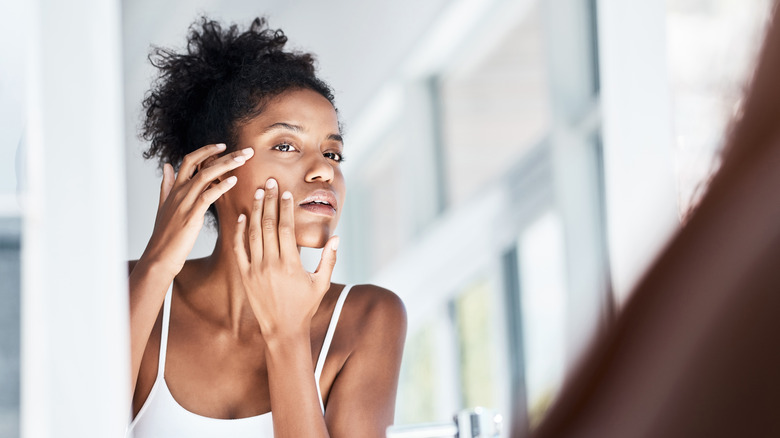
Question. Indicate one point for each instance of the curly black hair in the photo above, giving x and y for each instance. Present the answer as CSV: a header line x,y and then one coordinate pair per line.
x,y
224,78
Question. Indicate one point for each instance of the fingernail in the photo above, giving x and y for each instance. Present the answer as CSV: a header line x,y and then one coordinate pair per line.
x,y
220,146
335,245
286,195
241,218
271,183
231,180
239,159
259,194
248,152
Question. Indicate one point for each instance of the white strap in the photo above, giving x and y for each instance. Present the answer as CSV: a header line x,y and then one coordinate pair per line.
x,y
164,336
334,319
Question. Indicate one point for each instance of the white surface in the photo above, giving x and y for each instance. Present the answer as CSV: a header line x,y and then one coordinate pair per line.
x,y
572,70
712,49
638,156
11,104
543,295
74,296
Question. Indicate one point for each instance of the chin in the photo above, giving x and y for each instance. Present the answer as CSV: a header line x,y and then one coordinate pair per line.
x,y
312,240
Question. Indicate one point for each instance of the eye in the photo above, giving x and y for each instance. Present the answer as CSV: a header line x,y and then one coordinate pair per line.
x,y
335,156
284,147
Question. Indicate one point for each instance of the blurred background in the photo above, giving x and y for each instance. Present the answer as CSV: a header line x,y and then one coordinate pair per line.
x,y
512,165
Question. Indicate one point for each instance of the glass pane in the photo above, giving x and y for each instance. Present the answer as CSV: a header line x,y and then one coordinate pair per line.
x,y
10,287
480,342
416,401
380,202
712,47
543,301
428,387
494,109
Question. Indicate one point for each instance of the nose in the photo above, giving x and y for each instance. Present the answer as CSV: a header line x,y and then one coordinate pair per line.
x,y
320,169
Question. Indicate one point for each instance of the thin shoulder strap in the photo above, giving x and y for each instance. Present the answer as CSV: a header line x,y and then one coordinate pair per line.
x,y
164,336
334,319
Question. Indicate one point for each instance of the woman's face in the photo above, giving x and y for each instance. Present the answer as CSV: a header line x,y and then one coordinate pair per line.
x,y
296,140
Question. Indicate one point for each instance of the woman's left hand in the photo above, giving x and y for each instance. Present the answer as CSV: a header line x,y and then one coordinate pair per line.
x,y
283,295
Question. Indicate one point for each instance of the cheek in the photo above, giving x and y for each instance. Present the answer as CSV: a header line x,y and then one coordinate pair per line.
x,y
251,175
243,192
287,173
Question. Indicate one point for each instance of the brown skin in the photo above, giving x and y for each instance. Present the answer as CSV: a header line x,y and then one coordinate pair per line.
x,y
247,322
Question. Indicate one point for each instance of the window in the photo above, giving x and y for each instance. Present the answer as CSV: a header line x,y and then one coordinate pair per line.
x,y
381,198
543,301
501,139
712,47
494,107
481,345
428,389
10,287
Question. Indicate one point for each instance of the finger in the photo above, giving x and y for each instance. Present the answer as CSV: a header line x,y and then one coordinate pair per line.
x,y
255,228
270,220
216,171
211,195
327,263
190,162
166,185
239,242
211,171
288,246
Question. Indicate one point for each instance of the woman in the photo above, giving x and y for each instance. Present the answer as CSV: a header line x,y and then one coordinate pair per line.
x,y
245,342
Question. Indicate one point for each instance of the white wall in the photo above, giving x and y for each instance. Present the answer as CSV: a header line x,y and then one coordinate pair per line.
x,y
11,105
75,361
637,134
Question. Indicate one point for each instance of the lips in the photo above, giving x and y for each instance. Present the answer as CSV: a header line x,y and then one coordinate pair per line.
x,y
320,202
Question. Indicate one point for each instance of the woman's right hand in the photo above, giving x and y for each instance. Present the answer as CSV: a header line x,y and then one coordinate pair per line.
x,y
184,200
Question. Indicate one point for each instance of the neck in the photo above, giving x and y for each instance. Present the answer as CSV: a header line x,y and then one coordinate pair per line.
x,y
217,280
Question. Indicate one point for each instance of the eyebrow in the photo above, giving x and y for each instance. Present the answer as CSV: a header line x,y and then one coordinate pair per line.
x,y
298,129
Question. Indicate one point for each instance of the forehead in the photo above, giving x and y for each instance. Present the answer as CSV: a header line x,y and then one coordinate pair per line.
x,y
305,108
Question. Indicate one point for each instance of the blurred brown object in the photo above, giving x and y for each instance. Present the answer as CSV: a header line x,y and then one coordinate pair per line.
x,y
696,350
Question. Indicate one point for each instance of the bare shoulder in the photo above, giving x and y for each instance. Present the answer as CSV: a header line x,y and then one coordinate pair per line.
x,y
371,298
377,311
131,265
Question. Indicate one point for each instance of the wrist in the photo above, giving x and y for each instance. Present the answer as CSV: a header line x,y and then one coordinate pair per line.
x,y
284,350
152,269
157,264
285,339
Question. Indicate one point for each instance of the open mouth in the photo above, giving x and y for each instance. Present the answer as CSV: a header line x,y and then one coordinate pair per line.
x,y
321,202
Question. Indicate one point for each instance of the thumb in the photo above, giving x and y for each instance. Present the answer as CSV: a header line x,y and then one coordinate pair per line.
x,y
327,262
167,184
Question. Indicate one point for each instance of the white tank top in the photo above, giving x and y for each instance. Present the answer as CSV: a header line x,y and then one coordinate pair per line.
x,y
162,416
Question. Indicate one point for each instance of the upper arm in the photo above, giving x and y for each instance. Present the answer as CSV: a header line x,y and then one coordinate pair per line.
x,y
362,399
130,266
